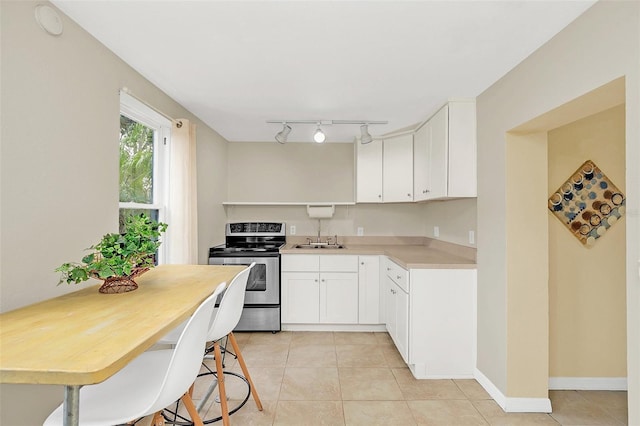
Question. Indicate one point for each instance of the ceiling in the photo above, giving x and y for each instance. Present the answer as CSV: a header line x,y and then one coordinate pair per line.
x,y
237,64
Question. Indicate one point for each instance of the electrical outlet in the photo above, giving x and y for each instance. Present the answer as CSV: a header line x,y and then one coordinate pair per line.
x,y
436,231
360,231
292,230
472,237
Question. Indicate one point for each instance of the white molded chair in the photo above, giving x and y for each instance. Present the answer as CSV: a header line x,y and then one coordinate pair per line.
x,y
151,382
224,321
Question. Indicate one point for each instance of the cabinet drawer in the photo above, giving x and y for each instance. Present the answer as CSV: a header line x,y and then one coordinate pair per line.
x,y
339,263
300,262
397,274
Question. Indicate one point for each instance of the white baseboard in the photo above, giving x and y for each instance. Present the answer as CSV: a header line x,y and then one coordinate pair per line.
x,y
334,327
513,405
588,383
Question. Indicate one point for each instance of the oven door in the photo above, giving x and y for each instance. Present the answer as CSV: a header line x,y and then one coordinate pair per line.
x,y
263,285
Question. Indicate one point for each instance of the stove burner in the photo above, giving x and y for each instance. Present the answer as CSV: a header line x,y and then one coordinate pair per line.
x,y
251,237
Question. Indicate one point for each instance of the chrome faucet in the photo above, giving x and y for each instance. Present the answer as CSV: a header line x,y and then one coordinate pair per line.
x,y
318,240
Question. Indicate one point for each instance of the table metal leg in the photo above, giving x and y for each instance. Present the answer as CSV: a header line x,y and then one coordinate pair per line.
x,y
71,405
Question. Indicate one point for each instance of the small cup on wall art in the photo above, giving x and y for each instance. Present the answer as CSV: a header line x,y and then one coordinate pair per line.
x,y
588,203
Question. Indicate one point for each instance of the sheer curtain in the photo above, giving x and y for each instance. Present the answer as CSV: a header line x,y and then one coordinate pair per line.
x,y
183,199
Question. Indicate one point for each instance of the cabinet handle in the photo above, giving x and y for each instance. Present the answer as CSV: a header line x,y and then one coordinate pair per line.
x,y
398,277
388,269
426,191
362,263
408,195
315,280
322,280
380,196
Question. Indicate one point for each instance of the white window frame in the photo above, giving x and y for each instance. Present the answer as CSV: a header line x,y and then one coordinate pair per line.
x,y
138,111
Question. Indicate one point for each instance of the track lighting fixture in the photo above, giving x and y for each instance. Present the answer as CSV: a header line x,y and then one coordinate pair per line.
x,y
283,134
318,135
365,137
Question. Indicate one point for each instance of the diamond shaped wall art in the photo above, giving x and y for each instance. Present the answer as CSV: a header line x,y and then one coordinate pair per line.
x,y
588,203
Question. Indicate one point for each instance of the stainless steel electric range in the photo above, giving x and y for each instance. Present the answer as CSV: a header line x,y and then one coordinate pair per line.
x,y
258,242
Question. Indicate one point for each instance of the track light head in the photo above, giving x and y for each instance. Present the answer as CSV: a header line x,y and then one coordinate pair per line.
x,y
365,137
319,135
283,134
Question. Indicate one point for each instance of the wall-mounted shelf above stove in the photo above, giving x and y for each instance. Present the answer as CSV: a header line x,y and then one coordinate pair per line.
x,y
287,203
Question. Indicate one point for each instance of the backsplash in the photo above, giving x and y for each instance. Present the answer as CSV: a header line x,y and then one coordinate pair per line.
x,y
454,219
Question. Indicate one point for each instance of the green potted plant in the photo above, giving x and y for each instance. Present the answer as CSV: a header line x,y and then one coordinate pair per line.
x,y
118,258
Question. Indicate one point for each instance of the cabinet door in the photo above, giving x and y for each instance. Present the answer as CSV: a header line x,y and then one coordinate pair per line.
x,y
339,297
390,306
443,318
397,169
462,149
438,154
421,167
369,172
369,290
402,322
300,297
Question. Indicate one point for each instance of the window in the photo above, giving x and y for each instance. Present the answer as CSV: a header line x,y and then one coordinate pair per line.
x,y
144,148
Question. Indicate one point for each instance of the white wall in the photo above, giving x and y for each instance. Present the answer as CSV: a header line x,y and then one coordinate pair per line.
x,y
600,46
59,166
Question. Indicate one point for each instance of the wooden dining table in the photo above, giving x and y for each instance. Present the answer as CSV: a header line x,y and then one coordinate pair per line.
x,y
85,337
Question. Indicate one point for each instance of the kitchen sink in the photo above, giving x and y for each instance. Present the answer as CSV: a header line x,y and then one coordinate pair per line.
x,y
319,246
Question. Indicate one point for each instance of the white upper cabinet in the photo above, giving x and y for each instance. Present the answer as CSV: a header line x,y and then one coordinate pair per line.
x,y
369,172
397,169
421,169
384,170
445,153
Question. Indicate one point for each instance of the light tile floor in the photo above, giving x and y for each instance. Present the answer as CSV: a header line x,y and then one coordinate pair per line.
x,y
325,378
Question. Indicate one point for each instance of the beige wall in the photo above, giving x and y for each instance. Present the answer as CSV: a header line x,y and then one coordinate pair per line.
x,y
454,218
302,172
59,166
585,55
292,172
587,286
376,219
527,270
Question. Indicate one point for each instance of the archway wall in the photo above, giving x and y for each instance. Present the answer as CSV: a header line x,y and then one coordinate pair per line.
x,y
587,285
600,46
527,266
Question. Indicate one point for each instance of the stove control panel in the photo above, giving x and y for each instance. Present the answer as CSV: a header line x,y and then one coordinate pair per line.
x,y
277,228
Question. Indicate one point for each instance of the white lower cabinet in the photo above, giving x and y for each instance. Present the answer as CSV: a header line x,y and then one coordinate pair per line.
x,y
339,297
369,290
300,297
319,289
397,307
431,317
430,314
442,323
